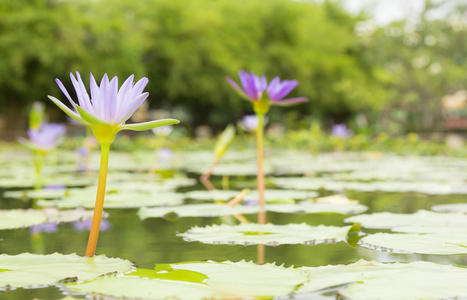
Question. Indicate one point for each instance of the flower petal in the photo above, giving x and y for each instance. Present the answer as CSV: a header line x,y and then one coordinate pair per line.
x,y
248,83
95,94
122,95
290,101
64,91
90,118
149,125
236,86
130,110
79,92
111,96
277,91
68,111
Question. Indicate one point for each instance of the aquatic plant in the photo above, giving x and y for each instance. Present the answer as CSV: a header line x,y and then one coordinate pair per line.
x,y
341,130
41,140
250,123
36,115
252,89
221,146
106,112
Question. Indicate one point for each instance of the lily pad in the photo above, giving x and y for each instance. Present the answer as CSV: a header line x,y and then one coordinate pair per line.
x,y
37,270
143,288
36,194
436,243
195,210
452,208
246,279
427,187
116,200
397,281
268,234
18,218
421,221
226,280
310,208
287,196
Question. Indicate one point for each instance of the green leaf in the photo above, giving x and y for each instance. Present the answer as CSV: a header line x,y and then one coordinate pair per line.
x,y
149,125
90,118
276,234
435,243
421,221
246,279
170,274
144,288
115,199
34,269
224,140
272,196
397,281
196,210
17,218
454,207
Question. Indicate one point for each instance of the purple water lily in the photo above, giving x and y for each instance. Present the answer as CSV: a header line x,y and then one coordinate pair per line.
x,y
86,225
250,122
253,85
277,90
46,137
341,130
107,103
106,112
46,227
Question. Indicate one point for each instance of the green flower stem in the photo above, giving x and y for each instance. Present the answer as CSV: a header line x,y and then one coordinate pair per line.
x,y
99,207
259,158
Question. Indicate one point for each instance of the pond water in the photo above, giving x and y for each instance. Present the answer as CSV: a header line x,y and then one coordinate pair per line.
x,y
154,240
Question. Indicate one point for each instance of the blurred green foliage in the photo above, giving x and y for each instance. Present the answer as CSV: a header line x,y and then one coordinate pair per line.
x,y
393,76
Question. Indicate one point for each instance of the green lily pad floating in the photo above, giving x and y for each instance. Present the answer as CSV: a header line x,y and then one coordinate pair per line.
x,y
281,196
316,207
397,281
246,279
36,194
19,218
268,234
144,288
313,183
433,243
27,269
451,208
217,210
232,169
422,221
116,200
195,210
226,280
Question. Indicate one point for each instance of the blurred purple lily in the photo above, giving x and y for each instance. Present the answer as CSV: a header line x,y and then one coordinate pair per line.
x,y
253,85
86,225
341,130
250,122
277,90
45,138
46,227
